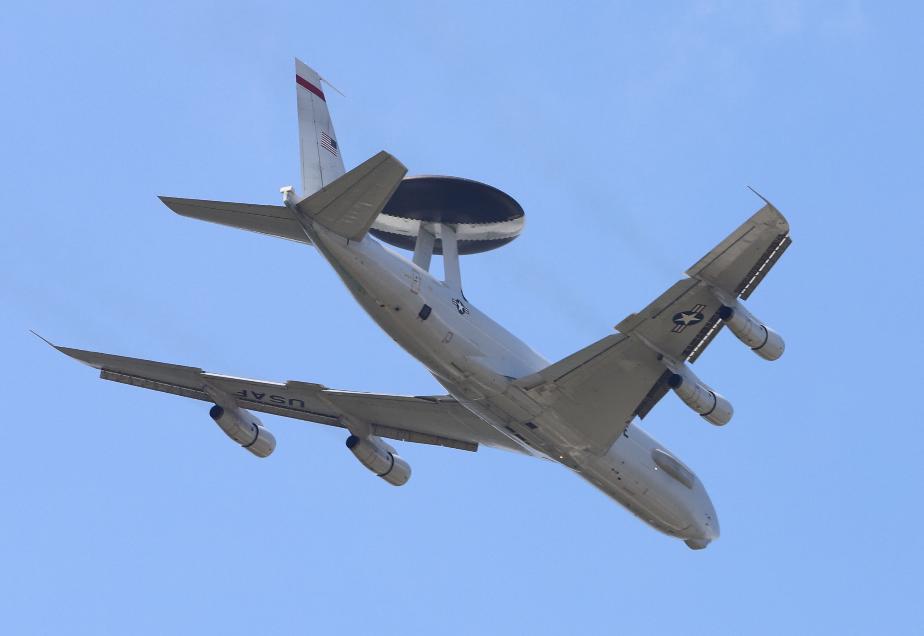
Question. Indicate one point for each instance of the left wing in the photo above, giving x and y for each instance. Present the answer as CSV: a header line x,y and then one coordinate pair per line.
x,y
438,420
596,392
685,318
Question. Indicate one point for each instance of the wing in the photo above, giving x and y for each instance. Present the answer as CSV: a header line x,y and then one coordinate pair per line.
x,y
438,420
682,321
598,391
592,394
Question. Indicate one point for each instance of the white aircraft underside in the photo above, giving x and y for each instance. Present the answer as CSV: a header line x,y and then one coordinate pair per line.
x,y
578,412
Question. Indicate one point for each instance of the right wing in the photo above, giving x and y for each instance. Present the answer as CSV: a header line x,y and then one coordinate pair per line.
x,y
596,392
438,420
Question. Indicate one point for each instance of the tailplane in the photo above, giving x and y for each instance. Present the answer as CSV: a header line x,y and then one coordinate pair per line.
x,y
349,205
318,147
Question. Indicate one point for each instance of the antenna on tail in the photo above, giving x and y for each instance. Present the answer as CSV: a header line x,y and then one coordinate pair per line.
x,y
326,81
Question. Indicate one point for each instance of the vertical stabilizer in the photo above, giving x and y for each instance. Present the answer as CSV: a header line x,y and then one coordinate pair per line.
x,y
318,147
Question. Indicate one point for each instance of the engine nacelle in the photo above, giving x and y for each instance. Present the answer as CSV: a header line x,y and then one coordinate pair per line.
x,y
377,457
245,428
762,340
710,405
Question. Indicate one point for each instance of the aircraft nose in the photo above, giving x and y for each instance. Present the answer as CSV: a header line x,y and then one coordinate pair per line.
x,y
705,525
711,525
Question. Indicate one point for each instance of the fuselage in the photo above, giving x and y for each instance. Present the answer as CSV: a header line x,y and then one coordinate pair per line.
x,y
477,361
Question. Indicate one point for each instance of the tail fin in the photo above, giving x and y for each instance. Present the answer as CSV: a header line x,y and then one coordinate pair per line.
x,y
320,153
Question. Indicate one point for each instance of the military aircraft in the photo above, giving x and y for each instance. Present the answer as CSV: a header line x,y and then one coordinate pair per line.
x,y
579,411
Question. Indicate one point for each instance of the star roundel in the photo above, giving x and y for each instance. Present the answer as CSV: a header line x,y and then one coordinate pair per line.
x,y
688,318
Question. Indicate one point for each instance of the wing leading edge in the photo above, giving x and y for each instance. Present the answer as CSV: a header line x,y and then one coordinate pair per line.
x,y
437,420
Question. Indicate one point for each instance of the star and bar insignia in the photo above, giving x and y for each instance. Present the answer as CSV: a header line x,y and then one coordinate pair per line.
x,y
688,318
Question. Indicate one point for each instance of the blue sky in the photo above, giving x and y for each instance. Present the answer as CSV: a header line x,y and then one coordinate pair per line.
x,y
629,135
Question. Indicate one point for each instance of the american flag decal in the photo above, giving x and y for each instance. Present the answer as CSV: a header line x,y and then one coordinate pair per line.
x,y
328,143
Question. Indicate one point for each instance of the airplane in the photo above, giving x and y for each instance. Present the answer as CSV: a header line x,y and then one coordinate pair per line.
x,y
580,411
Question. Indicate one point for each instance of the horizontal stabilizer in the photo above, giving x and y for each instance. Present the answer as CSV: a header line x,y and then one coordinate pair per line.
x,y
275,220
349,205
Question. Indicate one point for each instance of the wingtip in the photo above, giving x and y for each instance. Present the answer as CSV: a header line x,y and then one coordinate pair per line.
x,y
776,216
170,202
70,353
762,197
43,338
64,350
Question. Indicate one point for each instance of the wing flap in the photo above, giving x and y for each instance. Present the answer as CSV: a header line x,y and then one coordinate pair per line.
x,y
771,256
672,323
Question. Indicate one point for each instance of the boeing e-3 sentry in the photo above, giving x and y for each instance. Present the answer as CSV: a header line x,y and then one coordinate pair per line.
x,y
580,411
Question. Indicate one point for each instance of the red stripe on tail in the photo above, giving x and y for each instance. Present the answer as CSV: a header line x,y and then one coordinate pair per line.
x,y
301,81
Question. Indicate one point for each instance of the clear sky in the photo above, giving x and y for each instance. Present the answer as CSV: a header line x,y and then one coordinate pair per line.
x,y
629,136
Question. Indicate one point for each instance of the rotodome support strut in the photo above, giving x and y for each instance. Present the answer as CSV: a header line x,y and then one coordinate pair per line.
x,y
448,216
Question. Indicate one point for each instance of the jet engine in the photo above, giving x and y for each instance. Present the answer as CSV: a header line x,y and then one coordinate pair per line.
x,y
710,405
761,339
380,459
245,428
